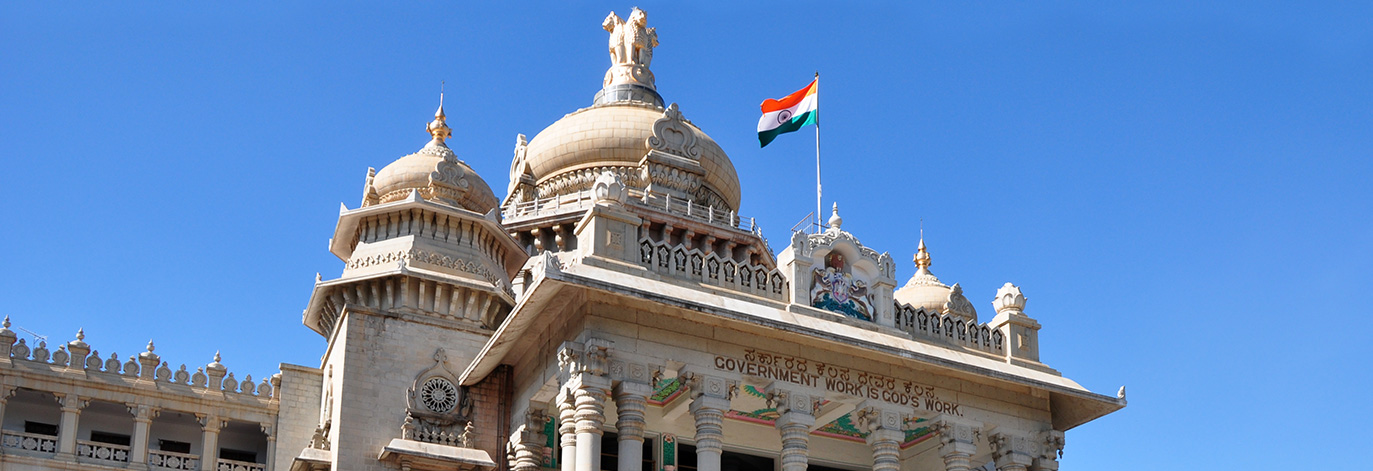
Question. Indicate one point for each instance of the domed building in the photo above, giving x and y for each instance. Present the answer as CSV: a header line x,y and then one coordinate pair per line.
x,y
613,312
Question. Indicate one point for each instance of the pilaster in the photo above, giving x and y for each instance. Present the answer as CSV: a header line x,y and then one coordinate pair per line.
x,y
567,429
527,442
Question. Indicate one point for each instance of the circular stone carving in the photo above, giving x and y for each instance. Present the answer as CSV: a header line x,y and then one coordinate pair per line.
x,y
439,395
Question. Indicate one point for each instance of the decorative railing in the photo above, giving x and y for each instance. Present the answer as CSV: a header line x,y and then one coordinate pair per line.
x,y
949,329
159,459
231,465
691,264
102,451
28,441
145,366
663,202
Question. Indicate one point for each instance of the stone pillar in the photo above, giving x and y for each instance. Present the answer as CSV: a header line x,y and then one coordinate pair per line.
x,y
796,415
567,429
631,399
142,422
956,444
527,443
590,399
1011,451
710,400
1050,450
6,392
884,424
270,432
209,441
66,430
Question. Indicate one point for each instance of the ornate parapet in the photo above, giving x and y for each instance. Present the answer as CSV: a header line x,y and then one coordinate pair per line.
x,y
949,329
679,262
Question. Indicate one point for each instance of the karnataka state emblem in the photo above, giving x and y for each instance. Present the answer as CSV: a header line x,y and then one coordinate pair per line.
x,y
835,290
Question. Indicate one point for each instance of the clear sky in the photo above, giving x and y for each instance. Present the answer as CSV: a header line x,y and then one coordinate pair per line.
x,y
1183,192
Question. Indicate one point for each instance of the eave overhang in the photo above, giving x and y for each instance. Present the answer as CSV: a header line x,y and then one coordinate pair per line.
x,y
1071,405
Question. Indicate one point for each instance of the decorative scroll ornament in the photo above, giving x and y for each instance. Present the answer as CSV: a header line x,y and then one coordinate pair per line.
x,y
437,409
672,134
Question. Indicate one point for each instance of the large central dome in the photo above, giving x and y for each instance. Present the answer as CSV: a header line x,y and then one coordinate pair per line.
x,y
571,152
627,131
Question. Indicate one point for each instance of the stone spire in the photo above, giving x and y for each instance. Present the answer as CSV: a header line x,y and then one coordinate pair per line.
x,y
835,221
922,257
439,126
631,51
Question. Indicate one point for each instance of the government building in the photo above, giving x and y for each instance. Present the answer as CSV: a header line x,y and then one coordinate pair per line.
x,y
612,312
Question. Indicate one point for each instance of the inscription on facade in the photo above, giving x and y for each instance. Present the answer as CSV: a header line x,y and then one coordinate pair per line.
x,y
837,379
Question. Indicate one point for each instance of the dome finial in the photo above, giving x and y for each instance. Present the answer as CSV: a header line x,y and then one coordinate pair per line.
x,y
922,256
439,126
835,220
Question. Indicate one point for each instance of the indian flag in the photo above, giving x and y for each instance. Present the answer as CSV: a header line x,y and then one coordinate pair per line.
x,y
790,113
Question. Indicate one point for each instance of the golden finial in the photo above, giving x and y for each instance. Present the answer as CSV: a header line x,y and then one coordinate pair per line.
x,y
922,256
439,126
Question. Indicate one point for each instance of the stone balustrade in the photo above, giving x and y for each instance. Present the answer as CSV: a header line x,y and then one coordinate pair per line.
x,y
158,459
231,465
679,262
659,201
949,329
14,440
146,366
102,451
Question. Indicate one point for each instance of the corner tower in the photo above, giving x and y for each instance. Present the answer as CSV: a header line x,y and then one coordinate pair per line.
x,y
426,280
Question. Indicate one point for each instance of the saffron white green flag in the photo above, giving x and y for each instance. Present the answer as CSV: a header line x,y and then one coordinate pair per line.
x,y
790,113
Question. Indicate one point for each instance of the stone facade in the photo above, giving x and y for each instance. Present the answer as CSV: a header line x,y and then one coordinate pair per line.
x,y
614,312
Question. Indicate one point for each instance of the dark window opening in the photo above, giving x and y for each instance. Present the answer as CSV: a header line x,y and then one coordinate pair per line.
x,y
110,438
729,461
39,428
610,453
238,455
174,446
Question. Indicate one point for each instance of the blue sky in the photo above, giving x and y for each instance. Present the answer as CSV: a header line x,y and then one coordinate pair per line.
x,y
1182,191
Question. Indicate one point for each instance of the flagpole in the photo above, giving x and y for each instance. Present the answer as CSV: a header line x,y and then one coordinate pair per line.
x,y
818,205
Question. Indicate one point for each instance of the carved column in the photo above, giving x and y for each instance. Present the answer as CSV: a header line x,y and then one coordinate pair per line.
x,y
590,400
631,399
883,423
956,444
270,432
1011,451
6,392
1050,450
66,430
142,422
567,428
209,441
710,400
796,415
528,443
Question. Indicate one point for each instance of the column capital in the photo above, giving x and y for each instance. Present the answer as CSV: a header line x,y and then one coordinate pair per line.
x,y
143,412
6,392
792,400
210,423
1013,451
702,385
955,437
72,402
1050,450
632,388
874,416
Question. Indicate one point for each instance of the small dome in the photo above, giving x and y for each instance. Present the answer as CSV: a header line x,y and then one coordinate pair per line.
x,y
616,135
924,290
436,173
